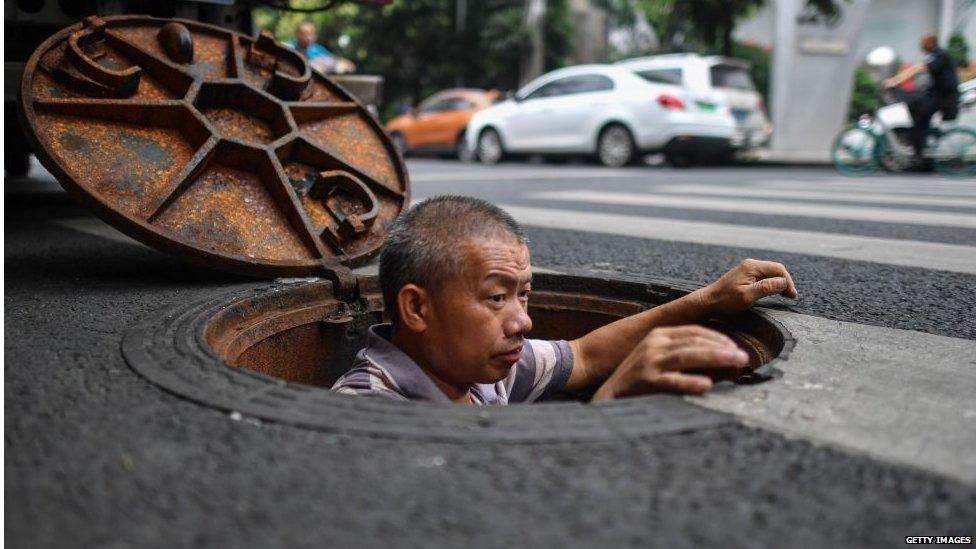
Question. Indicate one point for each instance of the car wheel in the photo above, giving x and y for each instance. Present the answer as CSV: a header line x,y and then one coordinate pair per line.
x,y
462,151
399,143
615,146
490,149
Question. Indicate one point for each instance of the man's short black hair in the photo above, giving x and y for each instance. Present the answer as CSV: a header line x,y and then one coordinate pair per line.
x,y
422,245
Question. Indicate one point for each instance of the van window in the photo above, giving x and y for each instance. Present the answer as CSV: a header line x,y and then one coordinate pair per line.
x,y
725,76
663,76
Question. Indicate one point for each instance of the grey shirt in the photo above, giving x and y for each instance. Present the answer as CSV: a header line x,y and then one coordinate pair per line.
x,y
381,369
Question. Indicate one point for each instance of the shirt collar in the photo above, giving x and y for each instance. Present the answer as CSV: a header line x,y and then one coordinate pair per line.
x,y
412,380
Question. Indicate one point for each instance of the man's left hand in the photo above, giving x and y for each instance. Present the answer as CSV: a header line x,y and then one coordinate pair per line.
x,y
746,283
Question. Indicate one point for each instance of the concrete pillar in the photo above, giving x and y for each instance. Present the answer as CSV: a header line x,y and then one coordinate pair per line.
x,y
535,15
589,32
946,21
814,58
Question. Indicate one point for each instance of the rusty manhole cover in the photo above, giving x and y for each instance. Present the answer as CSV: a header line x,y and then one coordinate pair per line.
x,y
222,148
271,352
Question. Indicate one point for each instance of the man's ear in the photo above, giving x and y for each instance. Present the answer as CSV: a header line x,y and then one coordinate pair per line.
x,y
413,307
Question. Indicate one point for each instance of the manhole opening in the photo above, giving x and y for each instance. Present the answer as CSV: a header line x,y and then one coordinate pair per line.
x,y
301,334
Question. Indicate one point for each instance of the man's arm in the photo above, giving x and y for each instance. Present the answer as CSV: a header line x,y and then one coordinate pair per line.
x,y
905,74
598,354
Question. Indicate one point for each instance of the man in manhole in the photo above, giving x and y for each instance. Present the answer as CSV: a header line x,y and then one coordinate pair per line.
x,y
456,278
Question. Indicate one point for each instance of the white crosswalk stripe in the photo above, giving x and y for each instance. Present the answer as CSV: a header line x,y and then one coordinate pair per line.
x,y
939,203
821,195
764,207
919,188
909,253
487,176
934,203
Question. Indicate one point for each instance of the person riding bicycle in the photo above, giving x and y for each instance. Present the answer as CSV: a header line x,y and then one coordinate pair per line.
x,y
942,95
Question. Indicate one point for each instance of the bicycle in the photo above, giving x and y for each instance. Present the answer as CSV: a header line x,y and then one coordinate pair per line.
x,y
872,142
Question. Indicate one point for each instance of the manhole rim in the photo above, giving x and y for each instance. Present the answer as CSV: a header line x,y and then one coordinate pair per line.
x,y
170,350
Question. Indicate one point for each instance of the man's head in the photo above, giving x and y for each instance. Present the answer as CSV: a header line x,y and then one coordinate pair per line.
x,y
305,34
928,43
455,275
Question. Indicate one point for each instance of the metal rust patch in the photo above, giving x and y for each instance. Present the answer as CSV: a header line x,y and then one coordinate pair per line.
x,y
225,149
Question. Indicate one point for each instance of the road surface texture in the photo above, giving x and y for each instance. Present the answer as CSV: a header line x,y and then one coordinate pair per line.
x,y
867,438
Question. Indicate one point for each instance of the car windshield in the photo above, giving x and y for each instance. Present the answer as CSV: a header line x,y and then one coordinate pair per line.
x,y
726,76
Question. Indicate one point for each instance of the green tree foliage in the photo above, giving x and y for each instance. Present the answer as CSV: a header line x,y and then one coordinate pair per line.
x,y
677,33
712,21
687,25
865,98
419,48
959,49
759,65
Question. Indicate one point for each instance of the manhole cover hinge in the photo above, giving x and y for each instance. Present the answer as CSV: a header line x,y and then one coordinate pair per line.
x,y
345,284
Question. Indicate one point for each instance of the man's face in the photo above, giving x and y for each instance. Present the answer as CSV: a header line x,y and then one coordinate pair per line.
x,y
475,333
305,35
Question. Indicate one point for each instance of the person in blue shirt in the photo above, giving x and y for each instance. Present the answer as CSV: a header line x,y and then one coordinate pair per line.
x,y
305,43
318,56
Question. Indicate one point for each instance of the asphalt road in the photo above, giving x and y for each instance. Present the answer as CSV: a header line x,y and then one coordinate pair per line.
x,y
96,456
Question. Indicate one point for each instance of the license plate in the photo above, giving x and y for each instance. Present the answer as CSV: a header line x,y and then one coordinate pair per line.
x,y
740,114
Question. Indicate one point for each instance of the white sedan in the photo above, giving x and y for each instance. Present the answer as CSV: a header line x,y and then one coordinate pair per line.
x,y
603,110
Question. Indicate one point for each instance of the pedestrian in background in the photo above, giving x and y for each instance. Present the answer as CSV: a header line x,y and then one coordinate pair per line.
x,y
942,95
318,56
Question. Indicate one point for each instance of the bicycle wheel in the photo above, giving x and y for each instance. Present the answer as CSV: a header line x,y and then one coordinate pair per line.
x,y
857,151
955,152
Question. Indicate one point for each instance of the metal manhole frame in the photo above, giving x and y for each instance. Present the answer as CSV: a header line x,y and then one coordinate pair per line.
x,y
170,350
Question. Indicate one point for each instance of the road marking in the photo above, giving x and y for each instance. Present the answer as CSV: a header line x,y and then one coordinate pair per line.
x,y
907,253
876,187
766,207
754,192
525,176
916,180
887,179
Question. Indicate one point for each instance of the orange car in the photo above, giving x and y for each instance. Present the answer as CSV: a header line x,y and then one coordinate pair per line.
x,y
437,125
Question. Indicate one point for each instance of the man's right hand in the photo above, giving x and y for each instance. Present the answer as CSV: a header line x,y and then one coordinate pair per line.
x,y
660,362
